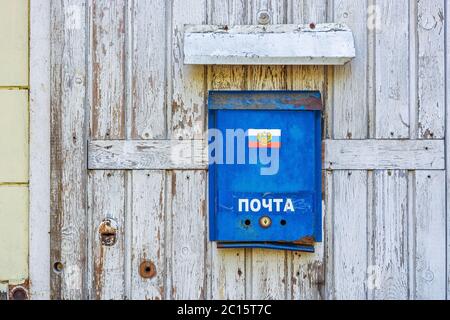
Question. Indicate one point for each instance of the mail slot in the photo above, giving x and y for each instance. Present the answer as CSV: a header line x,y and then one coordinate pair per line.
x,y
265,169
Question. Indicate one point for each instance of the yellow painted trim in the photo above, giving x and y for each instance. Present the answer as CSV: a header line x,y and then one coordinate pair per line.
x,y
25,184
14,88
14,184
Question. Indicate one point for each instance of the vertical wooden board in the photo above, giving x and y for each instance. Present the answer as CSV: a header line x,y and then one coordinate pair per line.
x,y
108,69
68,145
372,25
188,81
149,69
307,11
39,242
328,227
429,235
388,236
447,143
187,223
108,116
276,8
350,234
307,270
388,232
226,78
307,274
188,235
350,81
107,201
392,70
269,275
307,278
227,274
350,121
148,234
431,69
228,12
268,77
268,268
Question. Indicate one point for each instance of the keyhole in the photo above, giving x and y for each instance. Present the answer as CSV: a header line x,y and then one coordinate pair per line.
x,y
265,222
108,232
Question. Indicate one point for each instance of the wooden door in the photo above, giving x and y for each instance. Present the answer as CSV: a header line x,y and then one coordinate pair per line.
x,y
119,86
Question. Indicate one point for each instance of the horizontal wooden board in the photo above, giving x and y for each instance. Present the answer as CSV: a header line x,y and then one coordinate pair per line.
x,y
321,44
338,154
384,154
146,154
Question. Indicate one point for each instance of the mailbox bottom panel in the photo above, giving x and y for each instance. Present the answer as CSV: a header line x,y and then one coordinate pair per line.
x,y
266,245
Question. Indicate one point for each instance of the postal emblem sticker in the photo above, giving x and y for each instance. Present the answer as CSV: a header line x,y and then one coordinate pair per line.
x,y
264,138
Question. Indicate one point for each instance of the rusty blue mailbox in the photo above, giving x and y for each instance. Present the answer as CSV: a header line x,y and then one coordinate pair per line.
x,y
265,169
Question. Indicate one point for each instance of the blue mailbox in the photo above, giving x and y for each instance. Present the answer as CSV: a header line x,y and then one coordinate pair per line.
x,y
265,169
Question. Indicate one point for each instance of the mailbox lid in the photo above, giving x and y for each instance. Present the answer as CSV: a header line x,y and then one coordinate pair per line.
x,y
240,196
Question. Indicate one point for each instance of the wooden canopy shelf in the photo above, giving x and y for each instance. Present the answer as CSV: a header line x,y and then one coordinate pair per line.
x,y
288,44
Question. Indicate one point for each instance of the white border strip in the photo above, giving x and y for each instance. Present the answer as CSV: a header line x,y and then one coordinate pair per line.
x,y
39,223
447,136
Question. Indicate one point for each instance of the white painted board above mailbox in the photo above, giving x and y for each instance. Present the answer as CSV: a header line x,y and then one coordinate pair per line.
x,y
287,44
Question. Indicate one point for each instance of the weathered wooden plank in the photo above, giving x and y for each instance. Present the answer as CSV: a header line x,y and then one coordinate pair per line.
x,y
108,69
322,44
188,235
229,12
373,23
392,70
447,144
307,275
349,121
413,71
188,82
431,69
350,236
149,69
68,131
384,154
268,268
39,263
187,265
227,267
148,239
350,81
108,116
228,273
307,11
328,243
107,201
388,236
147,154
269,274
429,236
307,270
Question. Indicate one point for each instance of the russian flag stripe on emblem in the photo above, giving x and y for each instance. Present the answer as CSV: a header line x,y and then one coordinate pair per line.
x,y
264,138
